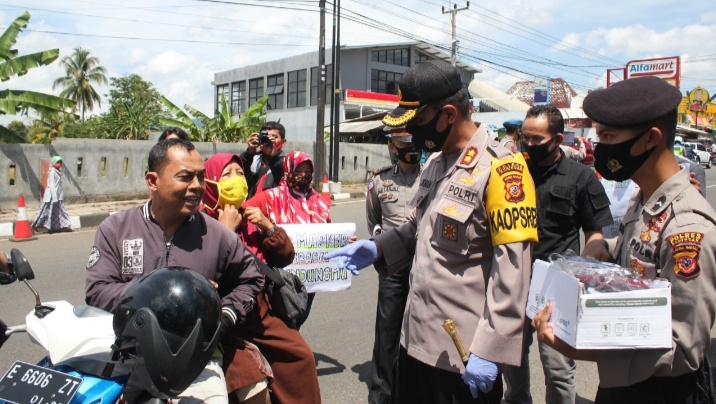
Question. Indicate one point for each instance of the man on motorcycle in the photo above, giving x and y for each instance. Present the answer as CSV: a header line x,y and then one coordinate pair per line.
x,y
169,231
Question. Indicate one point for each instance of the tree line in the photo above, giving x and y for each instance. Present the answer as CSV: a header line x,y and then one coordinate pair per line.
x,y
136,108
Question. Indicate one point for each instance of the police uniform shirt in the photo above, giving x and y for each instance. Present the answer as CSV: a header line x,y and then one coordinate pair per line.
x,y
569,197
673,235
456,271
389,195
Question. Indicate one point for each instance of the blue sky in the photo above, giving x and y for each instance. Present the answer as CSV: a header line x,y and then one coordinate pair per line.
x,y
179,44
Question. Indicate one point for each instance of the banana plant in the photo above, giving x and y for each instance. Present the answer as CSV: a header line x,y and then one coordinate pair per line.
x,y
18,102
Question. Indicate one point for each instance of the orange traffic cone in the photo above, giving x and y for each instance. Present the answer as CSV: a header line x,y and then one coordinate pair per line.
x,y
22,226
325,192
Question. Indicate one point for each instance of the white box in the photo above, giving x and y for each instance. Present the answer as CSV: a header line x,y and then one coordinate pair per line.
x,y
620,320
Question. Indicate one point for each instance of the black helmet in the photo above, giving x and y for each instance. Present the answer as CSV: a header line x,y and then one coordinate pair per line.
x,y
172,317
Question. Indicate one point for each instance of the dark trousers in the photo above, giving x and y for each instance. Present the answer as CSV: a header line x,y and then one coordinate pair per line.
x,y
418,383
691,388
392,296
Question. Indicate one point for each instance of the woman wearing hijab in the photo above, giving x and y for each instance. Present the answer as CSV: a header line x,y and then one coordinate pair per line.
x,y
52,214
294,201
292,365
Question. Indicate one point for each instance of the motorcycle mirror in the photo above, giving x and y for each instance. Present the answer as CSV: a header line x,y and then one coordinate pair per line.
x,y
21,266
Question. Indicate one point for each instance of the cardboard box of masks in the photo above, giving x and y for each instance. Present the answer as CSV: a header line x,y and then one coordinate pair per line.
x,y
618,320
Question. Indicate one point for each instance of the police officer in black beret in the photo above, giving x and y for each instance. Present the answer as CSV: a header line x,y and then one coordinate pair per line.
x,y
669,231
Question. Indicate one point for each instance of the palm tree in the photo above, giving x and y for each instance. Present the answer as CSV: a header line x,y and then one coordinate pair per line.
x,y
17,102
82,69
46,128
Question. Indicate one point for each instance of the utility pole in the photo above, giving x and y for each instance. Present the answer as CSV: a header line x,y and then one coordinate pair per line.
x,y
336,95
453,15
319,158
332,133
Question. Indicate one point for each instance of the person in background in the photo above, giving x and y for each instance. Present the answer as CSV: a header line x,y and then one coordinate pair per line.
x,y
294,201
570,199
53,215
6,277
264,157
173,132
513,129
669,231
575,154
387,205
290,361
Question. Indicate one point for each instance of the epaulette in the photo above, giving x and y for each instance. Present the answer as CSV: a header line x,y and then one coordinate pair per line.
x,y
380,170
497,150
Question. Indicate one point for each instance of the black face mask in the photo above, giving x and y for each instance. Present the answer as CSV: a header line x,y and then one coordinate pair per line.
x,y
408,155
427,137
613,161
538,152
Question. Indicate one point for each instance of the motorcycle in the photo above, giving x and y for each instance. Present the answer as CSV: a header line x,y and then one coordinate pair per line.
x,y
81,360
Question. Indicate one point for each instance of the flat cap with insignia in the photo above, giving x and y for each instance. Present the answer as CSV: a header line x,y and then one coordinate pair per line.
x,y
632,102
422,84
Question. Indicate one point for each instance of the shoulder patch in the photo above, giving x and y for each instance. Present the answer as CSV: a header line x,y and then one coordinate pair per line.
x,y
93,257
686,248
371,185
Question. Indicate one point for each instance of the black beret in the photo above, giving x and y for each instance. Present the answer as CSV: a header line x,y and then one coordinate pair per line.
x,y
632,102
422,84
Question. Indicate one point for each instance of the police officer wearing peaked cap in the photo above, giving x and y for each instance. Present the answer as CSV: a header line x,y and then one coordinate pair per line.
x,y
513,130
669,231
387,205
466,264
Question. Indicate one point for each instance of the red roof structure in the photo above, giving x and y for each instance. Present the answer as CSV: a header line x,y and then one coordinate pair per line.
x,y
560,92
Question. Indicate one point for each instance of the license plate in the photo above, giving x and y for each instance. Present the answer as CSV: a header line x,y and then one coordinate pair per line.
x,y
25,383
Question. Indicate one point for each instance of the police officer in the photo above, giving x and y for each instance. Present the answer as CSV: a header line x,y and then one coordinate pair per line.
x,y
469,243
669,231
513,129
569,199
387,206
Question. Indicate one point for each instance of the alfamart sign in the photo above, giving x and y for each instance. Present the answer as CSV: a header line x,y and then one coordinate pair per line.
x,y
667,68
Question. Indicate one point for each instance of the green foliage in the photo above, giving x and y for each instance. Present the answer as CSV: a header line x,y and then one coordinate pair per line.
x,y
82,69
18,133
45,129
13,102
135,107
222,127
96,127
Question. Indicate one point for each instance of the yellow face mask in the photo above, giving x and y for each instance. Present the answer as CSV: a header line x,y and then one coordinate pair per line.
x,y
232,191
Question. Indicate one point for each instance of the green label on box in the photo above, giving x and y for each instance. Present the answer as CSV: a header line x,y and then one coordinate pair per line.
x,y
633,302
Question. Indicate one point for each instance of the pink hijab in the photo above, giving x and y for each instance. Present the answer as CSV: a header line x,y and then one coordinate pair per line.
x,y
284,205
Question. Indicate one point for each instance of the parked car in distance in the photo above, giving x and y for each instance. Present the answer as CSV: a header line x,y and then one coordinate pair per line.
x,y
703,156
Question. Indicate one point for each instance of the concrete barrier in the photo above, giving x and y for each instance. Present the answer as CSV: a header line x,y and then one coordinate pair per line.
x,y
106,170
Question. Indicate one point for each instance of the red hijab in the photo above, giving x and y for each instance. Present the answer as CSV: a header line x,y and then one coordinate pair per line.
x,y
284,205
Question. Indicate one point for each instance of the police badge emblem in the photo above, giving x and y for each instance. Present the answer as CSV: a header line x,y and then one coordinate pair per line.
x,y
514,191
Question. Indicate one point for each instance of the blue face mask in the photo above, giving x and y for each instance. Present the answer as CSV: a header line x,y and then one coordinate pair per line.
x,y
427,137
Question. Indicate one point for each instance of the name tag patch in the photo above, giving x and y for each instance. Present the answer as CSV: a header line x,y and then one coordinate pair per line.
x,y
133,256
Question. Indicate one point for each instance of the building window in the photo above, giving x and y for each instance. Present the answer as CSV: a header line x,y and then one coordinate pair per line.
x,y
221,89
384,82
297,88
238,97
274,90
400,57
315,77
256,90
421,57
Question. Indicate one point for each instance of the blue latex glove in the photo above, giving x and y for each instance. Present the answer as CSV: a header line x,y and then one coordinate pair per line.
x,y
479,374
355,256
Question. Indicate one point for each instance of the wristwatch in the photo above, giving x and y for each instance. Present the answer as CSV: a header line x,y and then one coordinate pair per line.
x,y
269,232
